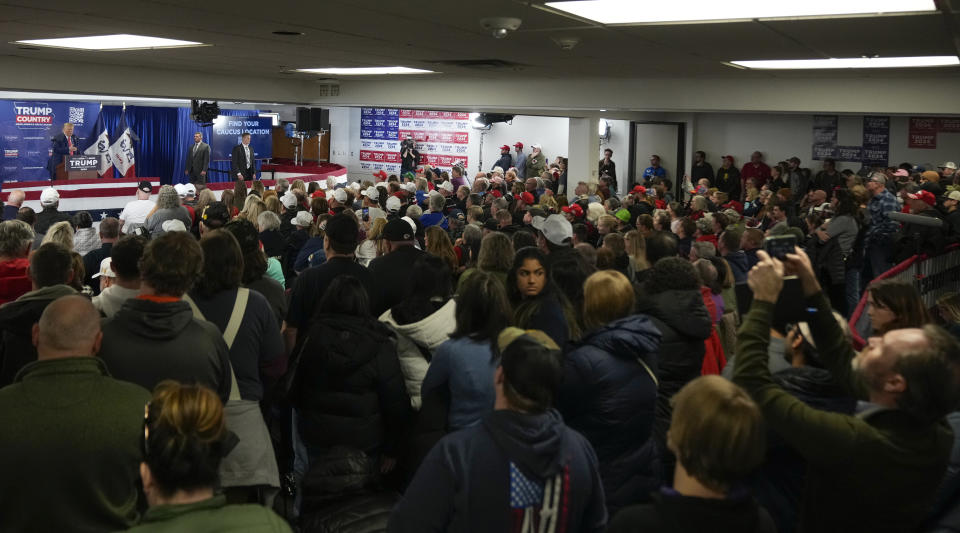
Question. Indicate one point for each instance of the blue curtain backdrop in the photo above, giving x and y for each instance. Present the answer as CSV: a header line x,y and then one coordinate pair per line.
x,y
165,135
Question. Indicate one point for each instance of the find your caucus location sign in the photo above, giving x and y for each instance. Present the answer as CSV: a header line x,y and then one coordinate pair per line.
x,y
228,130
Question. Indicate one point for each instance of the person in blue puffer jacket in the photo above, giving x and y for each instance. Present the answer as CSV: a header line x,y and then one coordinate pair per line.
x,y
609,389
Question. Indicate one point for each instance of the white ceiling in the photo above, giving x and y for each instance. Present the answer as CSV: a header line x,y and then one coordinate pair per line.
x,y
425,33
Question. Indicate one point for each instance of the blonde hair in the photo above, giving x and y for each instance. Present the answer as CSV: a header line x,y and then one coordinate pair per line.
x,y
439,245
253,209
698,203
375,234
716,432
608,220
722,197
549,203
272,204
300,186
607,296
636,247
496,253
949,304
752,194
60,233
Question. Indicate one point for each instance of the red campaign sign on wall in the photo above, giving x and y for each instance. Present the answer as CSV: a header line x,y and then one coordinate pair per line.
x,y
438,160
442,115
922,133
449,137
379,157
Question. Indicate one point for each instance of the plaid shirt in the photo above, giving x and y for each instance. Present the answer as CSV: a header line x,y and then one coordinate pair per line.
x,y
880,224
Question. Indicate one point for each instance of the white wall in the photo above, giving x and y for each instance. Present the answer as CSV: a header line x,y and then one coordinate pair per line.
x,y
551,133
619,142
781,136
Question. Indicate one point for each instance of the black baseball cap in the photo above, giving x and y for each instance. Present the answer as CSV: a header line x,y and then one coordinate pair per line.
x,y
245,232
491,224
398,230
145,186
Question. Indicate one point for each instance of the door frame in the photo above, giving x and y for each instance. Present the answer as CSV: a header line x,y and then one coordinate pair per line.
x,y
681,152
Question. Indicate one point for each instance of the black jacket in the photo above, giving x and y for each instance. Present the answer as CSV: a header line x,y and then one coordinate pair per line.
x,y
147,342
684,324
465,482
47,217
348,389
505,162
920,239
16,326
610,397
673,513
238,163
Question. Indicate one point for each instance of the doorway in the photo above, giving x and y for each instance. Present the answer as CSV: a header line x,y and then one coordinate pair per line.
x,y
665,139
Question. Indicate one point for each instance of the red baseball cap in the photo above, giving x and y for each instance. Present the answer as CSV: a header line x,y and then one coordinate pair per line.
x,y
527,198
735,205
505,147
380,174
730,157
573,209
639,189
496,193
926,197
318,194
518,144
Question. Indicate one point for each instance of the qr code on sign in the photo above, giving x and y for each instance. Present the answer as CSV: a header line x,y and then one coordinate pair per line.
x,y
76,115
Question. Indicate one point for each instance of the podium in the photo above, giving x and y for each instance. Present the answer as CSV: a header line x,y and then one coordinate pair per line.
x,y
78,167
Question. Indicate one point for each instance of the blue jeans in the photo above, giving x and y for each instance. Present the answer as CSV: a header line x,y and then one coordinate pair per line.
x,y
877,254
852,282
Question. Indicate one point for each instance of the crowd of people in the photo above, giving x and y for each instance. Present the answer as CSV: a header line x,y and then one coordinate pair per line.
x,y
427,352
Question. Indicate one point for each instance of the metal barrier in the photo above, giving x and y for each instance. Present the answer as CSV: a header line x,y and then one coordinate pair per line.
x,y
933,276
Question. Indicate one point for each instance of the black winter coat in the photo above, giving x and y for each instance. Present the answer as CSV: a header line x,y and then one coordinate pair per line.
x,y
349,390
684,324
610,397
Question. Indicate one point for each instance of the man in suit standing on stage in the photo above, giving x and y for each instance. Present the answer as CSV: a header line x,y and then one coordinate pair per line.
x,y
63,144
242,164
198,159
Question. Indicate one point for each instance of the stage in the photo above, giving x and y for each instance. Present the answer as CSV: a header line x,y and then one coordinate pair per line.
x,y
106,197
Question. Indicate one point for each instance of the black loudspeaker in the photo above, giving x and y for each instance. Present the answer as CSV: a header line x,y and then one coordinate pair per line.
x,y
303,119
319,119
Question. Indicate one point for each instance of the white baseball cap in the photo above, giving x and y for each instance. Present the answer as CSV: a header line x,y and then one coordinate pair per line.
x,y
340,195
447,186
49,196
105,269
393,204
172,225
189,189
303,219
413,225
371,193
557,229
411,187
181,190
949,164
289,200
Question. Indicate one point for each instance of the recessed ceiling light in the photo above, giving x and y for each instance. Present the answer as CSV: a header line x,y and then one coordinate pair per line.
x,y
288,33
361,71
602,110
120,41
852,62
677,11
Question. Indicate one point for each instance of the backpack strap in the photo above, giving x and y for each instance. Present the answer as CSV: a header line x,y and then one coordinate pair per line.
x,y
230,333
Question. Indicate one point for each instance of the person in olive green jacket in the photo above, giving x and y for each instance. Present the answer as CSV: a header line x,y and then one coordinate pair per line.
x,y
71,433
536,163
879,470
185,438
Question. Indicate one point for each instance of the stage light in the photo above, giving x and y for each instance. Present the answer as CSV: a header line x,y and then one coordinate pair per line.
x,y
852,62
692,11
120,41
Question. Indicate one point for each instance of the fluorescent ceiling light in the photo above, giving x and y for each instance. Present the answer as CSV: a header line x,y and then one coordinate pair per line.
x,y
852,62
120,41
361,71
675,11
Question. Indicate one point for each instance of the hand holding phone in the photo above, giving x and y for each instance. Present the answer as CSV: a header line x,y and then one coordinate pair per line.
x,y
779,246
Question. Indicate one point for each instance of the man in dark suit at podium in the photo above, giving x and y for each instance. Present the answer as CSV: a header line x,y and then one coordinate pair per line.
x,y
63,144
198,159
242,164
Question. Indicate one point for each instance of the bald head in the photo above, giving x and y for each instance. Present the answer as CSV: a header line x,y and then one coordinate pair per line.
x,y
16,198
68,327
